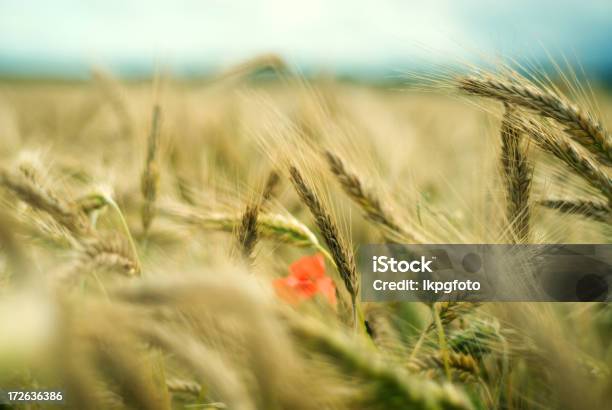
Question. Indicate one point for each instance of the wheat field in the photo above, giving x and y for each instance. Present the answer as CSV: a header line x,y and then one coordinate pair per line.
x,y
150,230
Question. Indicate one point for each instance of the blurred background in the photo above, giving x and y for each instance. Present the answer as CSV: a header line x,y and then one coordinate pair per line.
x,y
362,39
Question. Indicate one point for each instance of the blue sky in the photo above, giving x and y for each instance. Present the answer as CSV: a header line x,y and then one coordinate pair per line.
x,y
70,35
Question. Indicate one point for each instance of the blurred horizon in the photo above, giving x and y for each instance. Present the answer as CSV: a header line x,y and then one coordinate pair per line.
x,y
368,39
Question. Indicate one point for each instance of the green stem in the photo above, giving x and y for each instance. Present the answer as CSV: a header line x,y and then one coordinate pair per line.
x,y
326,254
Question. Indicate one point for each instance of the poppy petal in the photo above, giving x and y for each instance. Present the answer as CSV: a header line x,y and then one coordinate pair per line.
x,y
328,289
309,266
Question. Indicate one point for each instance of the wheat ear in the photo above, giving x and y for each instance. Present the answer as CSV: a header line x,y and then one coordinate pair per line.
x,y
579,124
565,150
269,191
368,201
340,252
517,177
594,210
465,366
183,386
247,231
109,253
64,212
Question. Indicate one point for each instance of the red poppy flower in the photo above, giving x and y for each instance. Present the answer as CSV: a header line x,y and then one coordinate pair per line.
x,y
306,279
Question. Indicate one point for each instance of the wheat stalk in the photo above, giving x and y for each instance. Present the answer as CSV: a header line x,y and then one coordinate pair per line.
x,y
517,177
447,312
580,125
92,203
340,252
149,182
271,226
393,386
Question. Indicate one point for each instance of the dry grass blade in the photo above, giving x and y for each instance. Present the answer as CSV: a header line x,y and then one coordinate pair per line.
x,y
340,252
367,200
597,211
517,177
580,125
150,175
